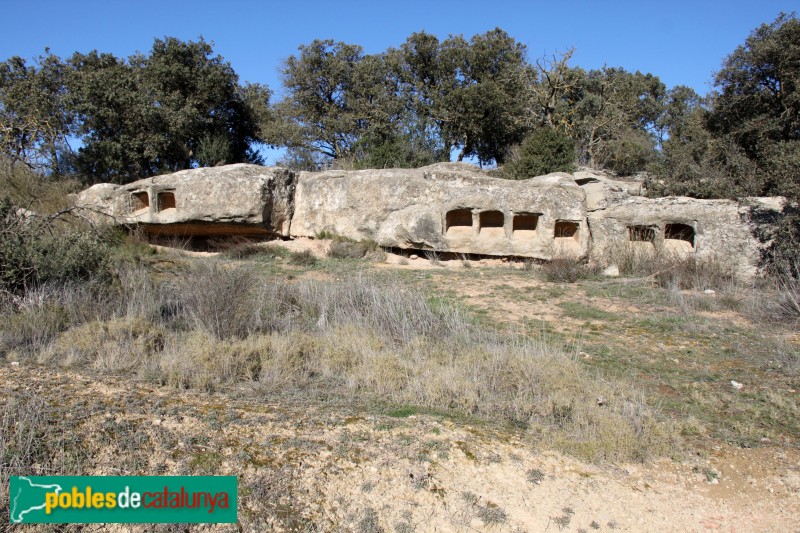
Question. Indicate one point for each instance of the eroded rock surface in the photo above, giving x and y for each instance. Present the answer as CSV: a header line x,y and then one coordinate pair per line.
x,y
230,200
445,207
719,229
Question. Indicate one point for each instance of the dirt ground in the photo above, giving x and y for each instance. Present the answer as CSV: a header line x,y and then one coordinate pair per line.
x,y
347,471
342,468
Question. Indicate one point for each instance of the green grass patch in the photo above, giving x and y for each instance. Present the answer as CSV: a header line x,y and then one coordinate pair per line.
x,y
580,311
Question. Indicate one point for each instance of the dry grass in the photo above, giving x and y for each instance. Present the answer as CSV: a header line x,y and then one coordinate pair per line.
x,y
376,342
565,269
29,190
787,303
670,269
346,250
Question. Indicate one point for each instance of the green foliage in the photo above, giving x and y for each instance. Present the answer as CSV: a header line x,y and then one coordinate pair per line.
x,y
487,108
745,139
34,116
397,152
630,152
610,113
542,152
178,106
783,256
34,251
758,101
330,87
409,106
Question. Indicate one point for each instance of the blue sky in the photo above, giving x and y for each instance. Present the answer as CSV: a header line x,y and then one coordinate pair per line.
x,y
683,42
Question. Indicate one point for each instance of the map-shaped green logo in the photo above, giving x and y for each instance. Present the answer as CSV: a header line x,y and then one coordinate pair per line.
x,y
27,498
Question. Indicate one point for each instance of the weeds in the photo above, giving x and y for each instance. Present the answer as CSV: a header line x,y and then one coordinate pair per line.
x,y
219,299
433,257
566,269
787,305
221,324
669,268
535,476
347,250
304,258
251,250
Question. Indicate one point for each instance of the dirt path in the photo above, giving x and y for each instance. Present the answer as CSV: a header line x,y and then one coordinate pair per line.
x,y
342,469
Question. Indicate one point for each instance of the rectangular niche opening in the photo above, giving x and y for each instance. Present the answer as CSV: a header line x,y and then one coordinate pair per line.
x,y
642,234
140,200
566,229
679,237
458,222
525,224
642,238
566,234
166,200
491,224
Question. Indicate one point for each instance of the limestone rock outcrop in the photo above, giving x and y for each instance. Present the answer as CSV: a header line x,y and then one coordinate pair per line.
x,y
445,207
236,199
722,229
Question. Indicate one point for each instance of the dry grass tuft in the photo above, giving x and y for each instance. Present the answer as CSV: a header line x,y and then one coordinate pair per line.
x,y
223,325
565,269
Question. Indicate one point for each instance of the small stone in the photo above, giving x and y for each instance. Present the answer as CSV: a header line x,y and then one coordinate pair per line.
x,y
612,271
736,385
710,291
413,256
14,363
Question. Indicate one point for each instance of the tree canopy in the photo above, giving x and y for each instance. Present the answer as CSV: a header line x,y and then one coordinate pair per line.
x,y
480,98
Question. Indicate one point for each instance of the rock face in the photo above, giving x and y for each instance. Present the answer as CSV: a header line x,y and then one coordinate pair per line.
x,y
445,207
719,229
235,199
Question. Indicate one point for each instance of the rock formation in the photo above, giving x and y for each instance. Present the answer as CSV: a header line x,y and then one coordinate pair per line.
x,y
231,200
446,207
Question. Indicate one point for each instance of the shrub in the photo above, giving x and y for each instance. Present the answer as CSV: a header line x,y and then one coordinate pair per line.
x,y
220,300
629,153
251,250
788,299
114,345
542,152
33,191
30,321
197,360
304,258
347,250
783,255
670,269
359,338
566,269
36,250
690,272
